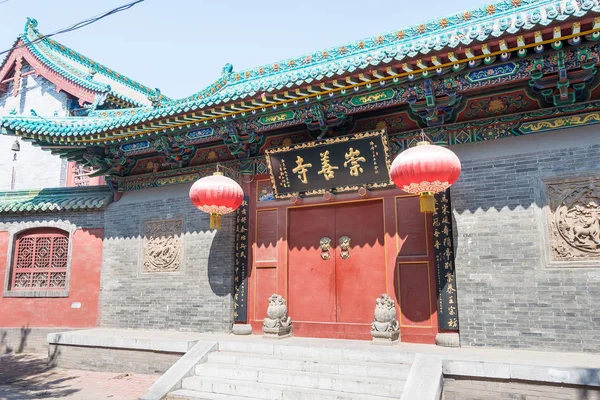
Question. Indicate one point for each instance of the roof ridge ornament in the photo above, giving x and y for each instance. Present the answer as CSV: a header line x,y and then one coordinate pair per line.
x,y
32,24
227,69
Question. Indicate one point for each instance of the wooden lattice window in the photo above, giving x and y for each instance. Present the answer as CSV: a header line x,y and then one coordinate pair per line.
x,y
40,260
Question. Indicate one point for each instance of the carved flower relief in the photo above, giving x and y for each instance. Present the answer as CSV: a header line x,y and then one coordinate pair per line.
x,y
496,105
400,35
162,246
212,156
574,216
466,15
516,3
444,23
491,9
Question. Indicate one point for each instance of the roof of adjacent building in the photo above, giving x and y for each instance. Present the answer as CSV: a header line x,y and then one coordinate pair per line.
x,y
470,28
83,71
55,200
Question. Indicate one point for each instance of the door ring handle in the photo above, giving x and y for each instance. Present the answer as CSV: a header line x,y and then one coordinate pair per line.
x,y
345,242
325,245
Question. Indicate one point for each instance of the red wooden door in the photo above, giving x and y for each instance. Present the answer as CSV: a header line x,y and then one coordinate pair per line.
x,y
360,278
336,290
311,279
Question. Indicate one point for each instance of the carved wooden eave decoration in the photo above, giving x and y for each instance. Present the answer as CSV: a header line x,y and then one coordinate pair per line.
x,y
431,89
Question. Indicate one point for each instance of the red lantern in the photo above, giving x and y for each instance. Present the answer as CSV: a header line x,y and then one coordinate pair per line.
x,y
216,195
425,170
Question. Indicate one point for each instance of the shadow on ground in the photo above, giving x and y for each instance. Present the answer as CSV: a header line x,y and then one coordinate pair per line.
x,y
32,376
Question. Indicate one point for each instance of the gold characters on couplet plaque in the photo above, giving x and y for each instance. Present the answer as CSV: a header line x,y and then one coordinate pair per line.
x,y
301,169
327,170
354,159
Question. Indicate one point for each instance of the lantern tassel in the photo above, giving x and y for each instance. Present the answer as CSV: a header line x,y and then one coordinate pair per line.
x,y
215,221
427,202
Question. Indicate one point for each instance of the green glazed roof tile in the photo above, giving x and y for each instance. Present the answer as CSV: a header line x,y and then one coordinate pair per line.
x,y
56,200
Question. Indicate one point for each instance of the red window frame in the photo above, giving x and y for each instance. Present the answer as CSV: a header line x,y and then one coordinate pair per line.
x,y
40,260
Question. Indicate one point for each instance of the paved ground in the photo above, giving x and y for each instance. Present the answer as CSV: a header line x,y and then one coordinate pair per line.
x,y
27,376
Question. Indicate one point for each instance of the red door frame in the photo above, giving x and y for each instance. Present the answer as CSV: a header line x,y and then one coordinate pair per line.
x,y
271,276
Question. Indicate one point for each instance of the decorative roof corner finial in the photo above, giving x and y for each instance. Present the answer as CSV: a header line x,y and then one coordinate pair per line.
x,y
32,111
157,98
91,73
30,24
227,69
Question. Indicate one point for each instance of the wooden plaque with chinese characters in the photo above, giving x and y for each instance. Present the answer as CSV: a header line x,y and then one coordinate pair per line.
x,y
339,164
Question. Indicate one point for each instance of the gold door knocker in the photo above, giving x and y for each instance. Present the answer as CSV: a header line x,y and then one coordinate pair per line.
x,y
325,244
345,247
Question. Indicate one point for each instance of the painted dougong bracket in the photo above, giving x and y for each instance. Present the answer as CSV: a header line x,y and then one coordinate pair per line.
x,y
434,111
241,139
113,162
317,121
173,148
564,87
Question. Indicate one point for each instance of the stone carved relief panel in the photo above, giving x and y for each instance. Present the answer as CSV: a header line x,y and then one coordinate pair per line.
x,y
162,246
574,219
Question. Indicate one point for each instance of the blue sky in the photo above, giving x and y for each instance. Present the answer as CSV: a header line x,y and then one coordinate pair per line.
x,y
180,46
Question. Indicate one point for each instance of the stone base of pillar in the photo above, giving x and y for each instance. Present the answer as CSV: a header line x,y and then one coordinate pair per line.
x,y
241,329
277,333
385,338
447,339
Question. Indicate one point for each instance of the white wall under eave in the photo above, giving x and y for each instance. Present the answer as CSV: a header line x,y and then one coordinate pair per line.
x,y
34,168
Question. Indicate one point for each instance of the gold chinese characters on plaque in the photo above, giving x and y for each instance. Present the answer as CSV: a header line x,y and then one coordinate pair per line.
x,y
340,164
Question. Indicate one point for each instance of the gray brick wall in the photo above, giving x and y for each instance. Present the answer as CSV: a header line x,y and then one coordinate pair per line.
x,y
478,389
198,298
110,359
25,339
508,295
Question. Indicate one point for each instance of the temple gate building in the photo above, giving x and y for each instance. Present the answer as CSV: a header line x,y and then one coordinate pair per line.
x,y
509,258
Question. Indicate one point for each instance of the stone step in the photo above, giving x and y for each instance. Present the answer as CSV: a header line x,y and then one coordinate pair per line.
x,y
185,394
266,391
383,354
365,368
336,382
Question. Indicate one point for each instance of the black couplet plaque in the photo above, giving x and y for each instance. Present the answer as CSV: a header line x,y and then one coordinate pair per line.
x,y
240,297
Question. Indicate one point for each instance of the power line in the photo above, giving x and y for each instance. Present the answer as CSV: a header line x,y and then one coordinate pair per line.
x,y
76,26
